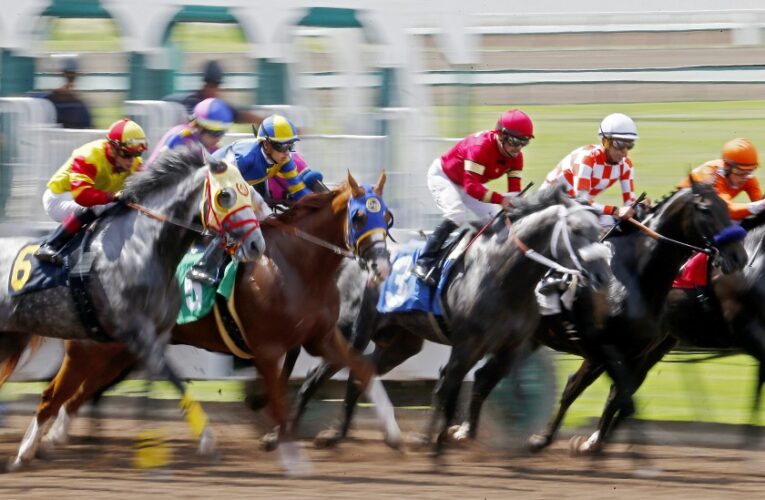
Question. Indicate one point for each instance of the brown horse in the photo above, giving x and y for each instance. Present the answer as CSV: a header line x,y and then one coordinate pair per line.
x,y
288,299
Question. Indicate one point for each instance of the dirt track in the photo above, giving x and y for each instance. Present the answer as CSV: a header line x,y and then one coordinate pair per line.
x,y
364,468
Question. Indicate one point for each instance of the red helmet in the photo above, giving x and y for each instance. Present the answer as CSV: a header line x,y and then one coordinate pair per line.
x,y
516,123
127,136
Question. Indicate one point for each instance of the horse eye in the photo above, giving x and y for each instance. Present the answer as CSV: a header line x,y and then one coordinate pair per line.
x,y
226,198
359,220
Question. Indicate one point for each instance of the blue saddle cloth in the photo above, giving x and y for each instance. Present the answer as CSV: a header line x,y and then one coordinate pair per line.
x,y
30,275
403,292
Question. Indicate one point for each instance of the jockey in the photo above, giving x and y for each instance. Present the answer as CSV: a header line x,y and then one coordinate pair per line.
x,y
84,186
209,123
278,189
729,175
269,155
456,181
732,174
590,170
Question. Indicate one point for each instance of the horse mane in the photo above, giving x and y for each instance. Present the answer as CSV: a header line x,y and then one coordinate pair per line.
x,y
166,171
664,200
308,203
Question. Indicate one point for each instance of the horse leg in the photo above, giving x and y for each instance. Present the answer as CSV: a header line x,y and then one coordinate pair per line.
x,y
255,397
75,368
147,346
753,342
486,379
290,455
112,367
336,351
575,386
619,406
462,358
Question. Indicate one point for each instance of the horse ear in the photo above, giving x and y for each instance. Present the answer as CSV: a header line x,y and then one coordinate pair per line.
x,y
692,182
356,190
217,166
378,189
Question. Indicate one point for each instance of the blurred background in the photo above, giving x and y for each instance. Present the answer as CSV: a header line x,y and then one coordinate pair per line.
x,y
391,84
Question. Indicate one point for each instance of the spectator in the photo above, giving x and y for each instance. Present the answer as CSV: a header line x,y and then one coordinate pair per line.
x,y
213,77
71,111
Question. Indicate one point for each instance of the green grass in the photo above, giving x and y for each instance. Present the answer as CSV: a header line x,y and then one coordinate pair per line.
x,y
717,391
674,137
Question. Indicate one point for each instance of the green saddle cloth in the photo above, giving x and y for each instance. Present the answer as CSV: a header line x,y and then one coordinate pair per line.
x,y
198,299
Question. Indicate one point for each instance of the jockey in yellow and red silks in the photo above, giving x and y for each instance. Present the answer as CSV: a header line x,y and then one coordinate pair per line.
x,y
89,180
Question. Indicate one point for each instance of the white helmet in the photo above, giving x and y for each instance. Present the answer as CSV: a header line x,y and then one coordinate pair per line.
x,y
618,126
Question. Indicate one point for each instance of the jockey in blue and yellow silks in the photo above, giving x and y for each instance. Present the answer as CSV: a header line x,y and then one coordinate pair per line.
x,y
209,123
268,155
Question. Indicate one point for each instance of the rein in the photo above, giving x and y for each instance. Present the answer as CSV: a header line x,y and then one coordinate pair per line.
x,y
164,218
560,229
659,237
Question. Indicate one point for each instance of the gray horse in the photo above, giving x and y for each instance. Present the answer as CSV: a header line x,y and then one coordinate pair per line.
x,y
489,298
132,285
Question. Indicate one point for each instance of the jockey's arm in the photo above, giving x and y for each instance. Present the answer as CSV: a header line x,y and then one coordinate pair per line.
x,y
82,183
295,185
473,184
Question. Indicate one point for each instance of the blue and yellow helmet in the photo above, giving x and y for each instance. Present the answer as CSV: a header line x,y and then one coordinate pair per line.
x,y
213,114
277,128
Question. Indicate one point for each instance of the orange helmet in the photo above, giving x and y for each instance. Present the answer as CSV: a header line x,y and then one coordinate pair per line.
x,y
128,137
740,153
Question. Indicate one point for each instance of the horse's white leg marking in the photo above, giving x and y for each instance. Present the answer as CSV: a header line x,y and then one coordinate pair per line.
x,y
293,460
59,431
384,410
28,446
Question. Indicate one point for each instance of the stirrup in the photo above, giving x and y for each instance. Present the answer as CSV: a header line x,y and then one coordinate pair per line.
x,y
424,274
49,255
203,276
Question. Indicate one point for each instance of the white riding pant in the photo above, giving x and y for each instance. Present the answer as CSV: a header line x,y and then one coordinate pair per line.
x,y
452,199
58,206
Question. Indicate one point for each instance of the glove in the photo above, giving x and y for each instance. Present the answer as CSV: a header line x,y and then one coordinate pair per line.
x,y
310,178
122,197
756,206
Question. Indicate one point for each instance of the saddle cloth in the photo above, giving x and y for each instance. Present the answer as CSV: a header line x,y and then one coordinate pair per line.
x,y
403,292
198,299
31,275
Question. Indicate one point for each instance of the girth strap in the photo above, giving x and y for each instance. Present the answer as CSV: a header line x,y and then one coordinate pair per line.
x,y
79,280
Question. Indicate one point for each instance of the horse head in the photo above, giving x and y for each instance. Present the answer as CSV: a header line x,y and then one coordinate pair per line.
x,y
228,211
698,216
369,223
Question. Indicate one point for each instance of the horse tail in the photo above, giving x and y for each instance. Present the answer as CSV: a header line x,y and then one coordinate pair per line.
x,y
11,349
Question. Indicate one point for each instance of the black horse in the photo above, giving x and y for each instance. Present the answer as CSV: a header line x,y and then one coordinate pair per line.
x,y
728,314
489,298
644,269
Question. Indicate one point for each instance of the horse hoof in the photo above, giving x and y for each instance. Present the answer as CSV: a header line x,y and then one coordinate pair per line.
x,y
581,445
538,442
207,444
418,441
269,442
459,433
329,439
14,464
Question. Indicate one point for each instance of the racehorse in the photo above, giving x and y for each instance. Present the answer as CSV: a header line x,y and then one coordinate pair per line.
x,y
644,269
135,298
488,298
290,300
728,313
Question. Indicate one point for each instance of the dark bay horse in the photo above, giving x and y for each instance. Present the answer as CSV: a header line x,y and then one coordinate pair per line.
x,y
132,283
489,298
644,269
289,300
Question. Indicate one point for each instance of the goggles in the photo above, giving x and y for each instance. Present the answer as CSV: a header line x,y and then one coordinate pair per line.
x,y
282,147
743,172
123,153
622,144
214,133
515,141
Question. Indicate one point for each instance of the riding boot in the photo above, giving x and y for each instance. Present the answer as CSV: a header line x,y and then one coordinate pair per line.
x,y
50,250
425,267
207,270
